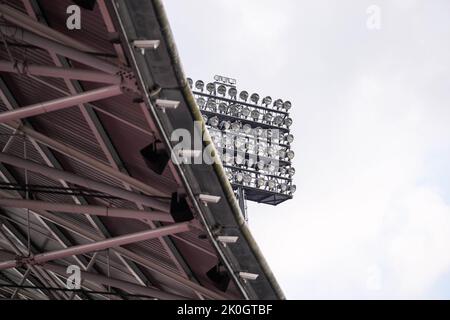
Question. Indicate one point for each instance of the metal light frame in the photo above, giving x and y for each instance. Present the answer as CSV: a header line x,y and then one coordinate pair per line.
x,y
223,107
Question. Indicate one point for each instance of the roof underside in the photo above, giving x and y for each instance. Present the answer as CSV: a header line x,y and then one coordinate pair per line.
x,y
99,140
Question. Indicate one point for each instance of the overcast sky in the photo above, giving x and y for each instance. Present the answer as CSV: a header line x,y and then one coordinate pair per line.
x,y
371,215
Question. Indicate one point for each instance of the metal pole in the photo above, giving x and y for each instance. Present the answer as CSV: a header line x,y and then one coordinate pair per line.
x,y
86,209
242,203
85,182
60,103
99,245
59,72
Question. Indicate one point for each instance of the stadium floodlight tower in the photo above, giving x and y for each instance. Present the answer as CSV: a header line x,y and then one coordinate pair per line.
x,y
252,137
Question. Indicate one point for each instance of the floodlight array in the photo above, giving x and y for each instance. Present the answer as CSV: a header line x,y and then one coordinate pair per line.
x,y
251,134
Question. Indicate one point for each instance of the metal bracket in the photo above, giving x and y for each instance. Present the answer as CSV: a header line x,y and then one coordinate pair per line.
x,y
129,83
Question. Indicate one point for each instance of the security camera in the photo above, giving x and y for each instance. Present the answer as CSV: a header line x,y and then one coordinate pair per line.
x,y
166,104
146,44
248,276
206,198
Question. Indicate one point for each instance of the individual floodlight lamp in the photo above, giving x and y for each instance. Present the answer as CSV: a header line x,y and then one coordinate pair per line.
x,y
201,102
290,154
287,105
260,182
291,171
210,87
267,101
222,90
277,120
239,176
289,138
268,117
251,162
278,104
260,165
225,125
228,158
223,108
271,184
232,92
211,106
254,98
199,84
243,95
240,159
236,126
245,112
233,110
255,115
247,128
214,122
271,168
288,122
292,189
247,178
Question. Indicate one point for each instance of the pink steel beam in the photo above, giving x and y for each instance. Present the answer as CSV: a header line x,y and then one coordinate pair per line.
x,y
99,245
163,186
107,281
57,174
18,18
87,209
60,103
44,43
59,72
100,135
143,261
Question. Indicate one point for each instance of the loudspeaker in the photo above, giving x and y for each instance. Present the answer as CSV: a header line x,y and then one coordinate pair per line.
x,y
85,4
155,156
179,208
219,276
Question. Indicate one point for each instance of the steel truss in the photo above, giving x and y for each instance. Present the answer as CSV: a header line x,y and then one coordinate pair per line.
x,y
118,79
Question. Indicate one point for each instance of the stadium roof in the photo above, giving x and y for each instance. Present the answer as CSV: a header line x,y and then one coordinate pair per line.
x,y
77,108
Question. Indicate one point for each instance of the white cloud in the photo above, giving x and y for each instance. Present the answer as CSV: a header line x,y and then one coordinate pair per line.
x,y
370,110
